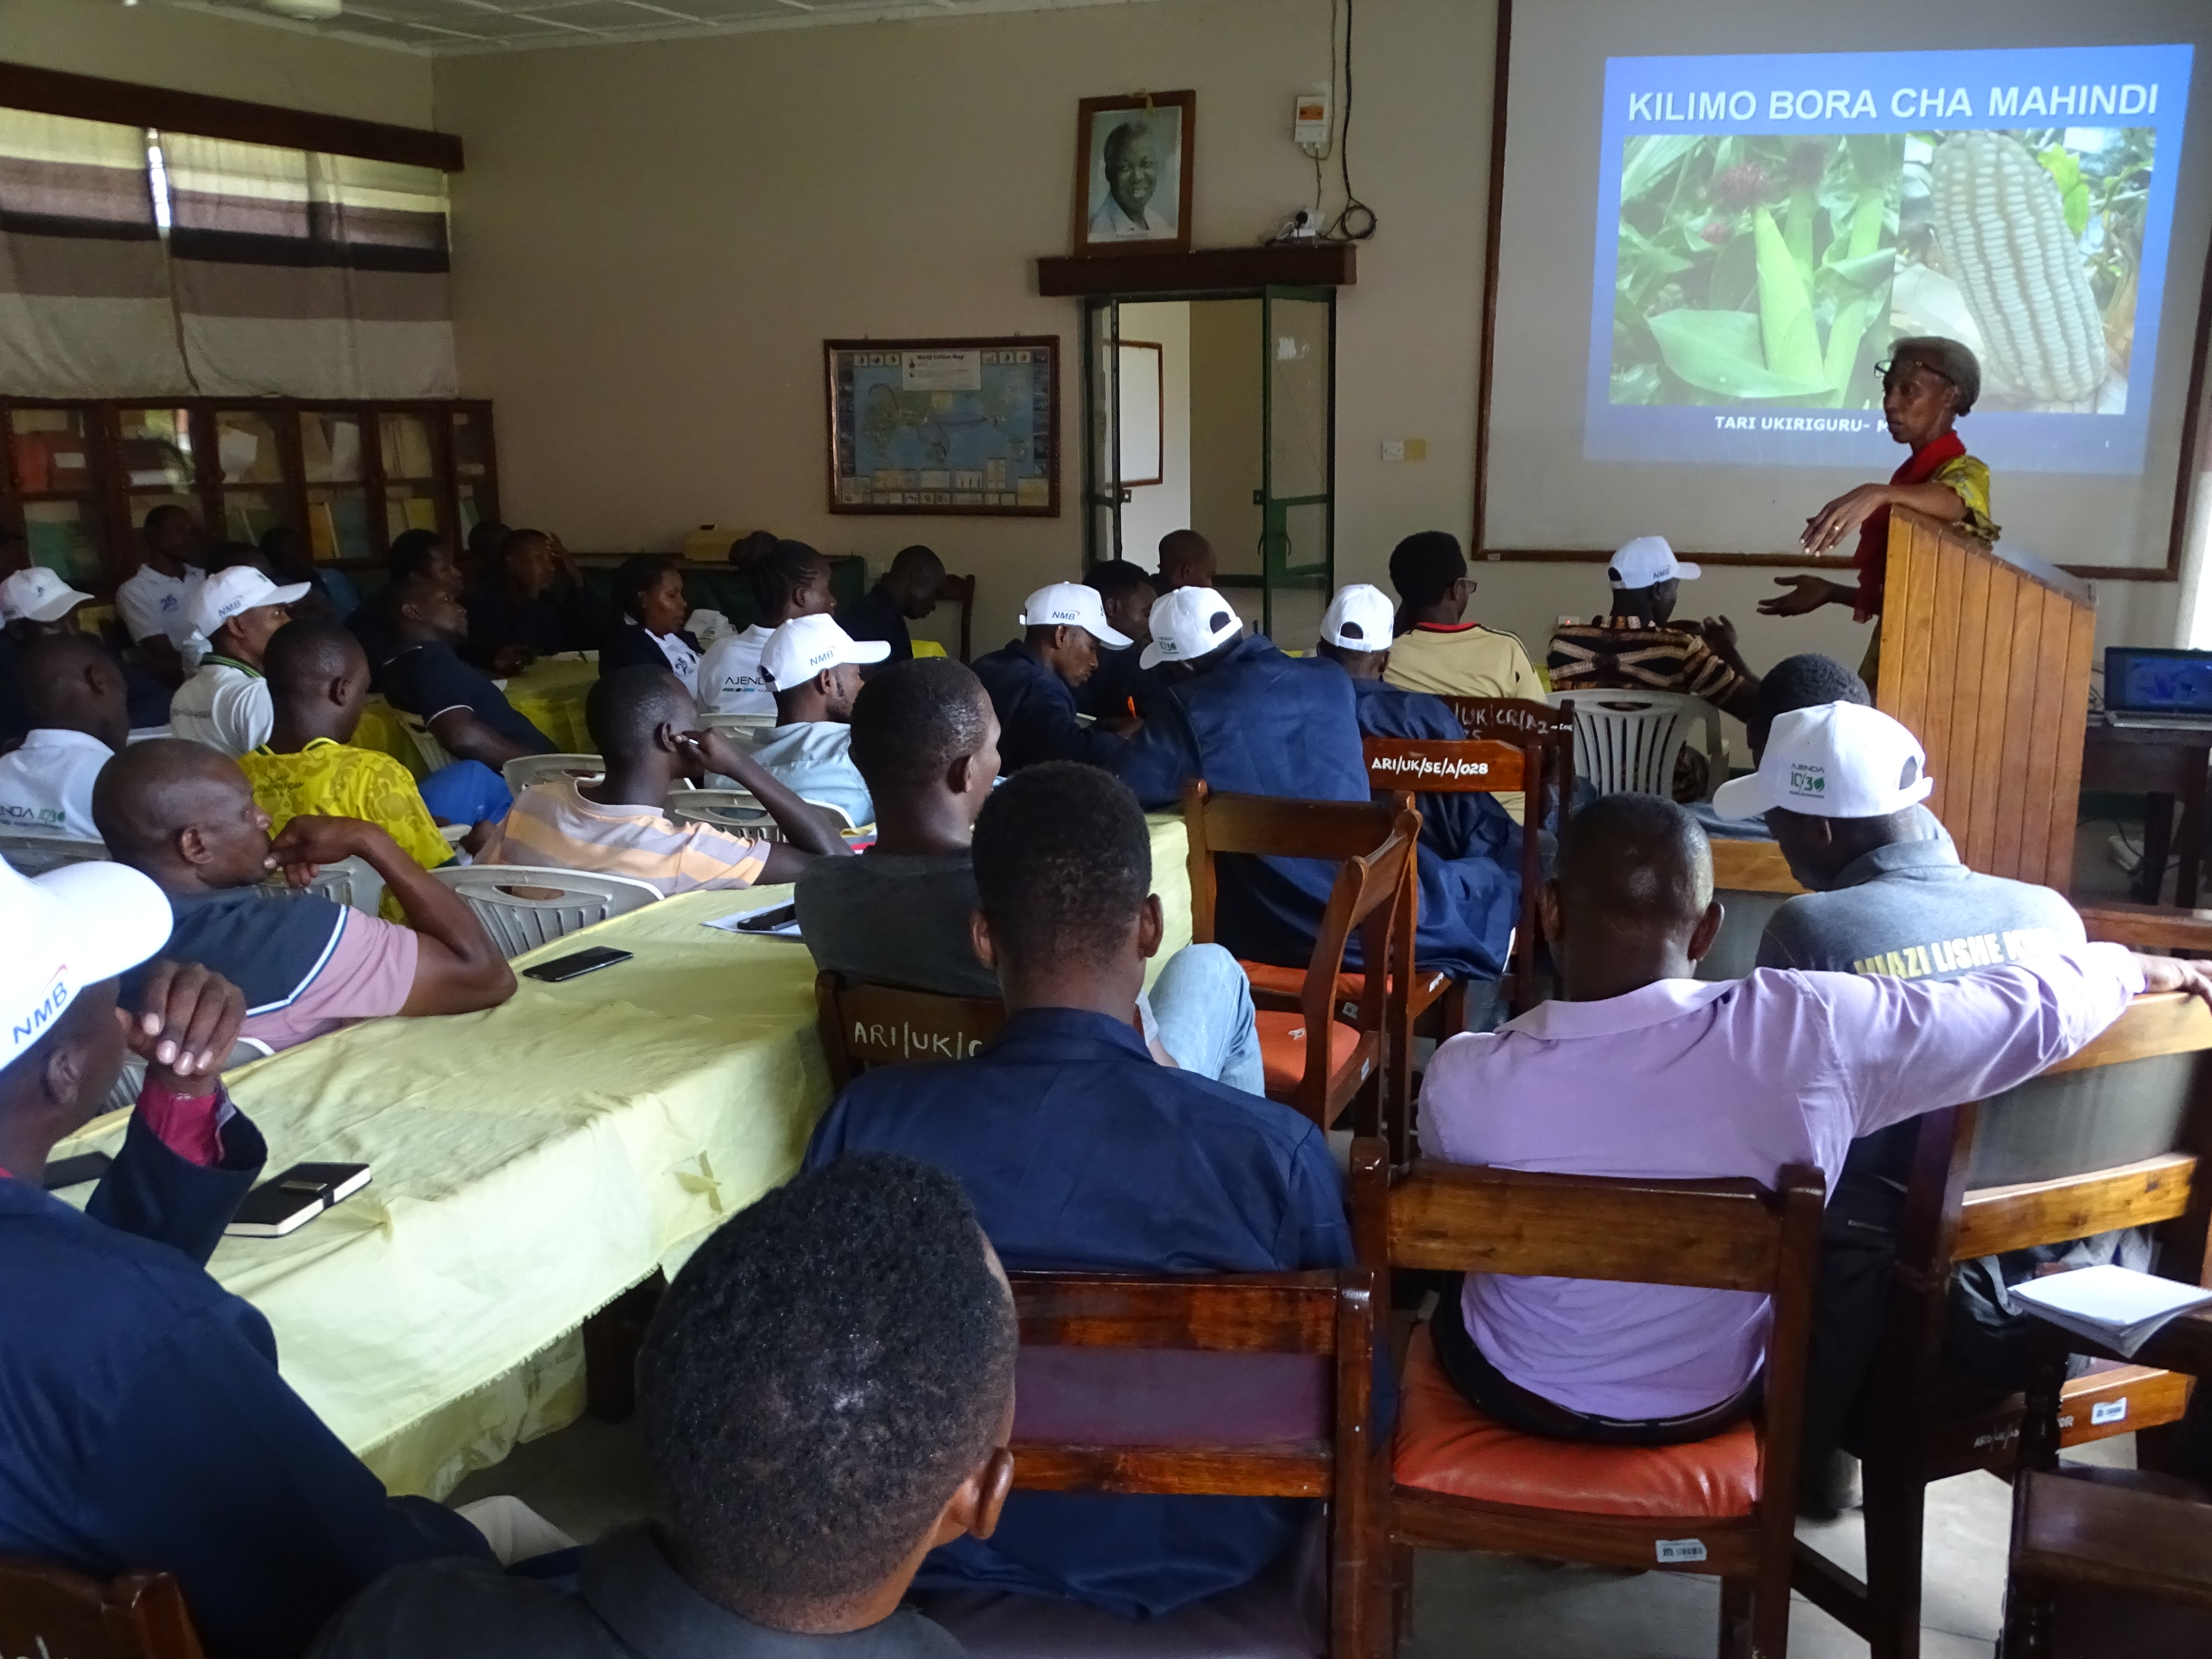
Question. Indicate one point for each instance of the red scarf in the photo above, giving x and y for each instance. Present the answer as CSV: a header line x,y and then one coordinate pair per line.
x,y
1872,560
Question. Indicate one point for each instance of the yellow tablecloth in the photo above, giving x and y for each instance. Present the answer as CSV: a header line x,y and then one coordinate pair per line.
x,y
548,694
532,1163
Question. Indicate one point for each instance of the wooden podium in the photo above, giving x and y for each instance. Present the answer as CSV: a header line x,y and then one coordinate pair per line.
x,y
1985,658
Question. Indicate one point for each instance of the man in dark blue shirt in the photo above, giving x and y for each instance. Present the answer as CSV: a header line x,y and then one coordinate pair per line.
x,y
426,677
1119,687
1079,1151
1032,681
1238,713
908,593
143,1425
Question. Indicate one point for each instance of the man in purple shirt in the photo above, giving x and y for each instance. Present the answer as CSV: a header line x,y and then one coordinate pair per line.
x,y
1736,1078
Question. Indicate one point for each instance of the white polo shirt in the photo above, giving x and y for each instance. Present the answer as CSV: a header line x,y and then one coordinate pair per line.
x,y
225,706
152,603
46,786
730,677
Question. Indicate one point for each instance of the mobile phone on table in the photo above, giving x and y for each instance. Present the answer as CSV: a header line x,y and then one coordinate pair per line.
x,y
575,966
75,1171
287,1202
767,921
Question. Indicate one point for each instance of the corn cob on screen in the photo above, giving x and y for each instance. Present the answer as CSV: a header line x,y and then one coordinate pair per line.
x,y
1769,225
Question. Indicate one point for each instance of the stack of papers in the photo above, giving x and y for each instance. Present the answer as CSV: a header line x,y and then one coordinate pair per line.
x,y
2116,1307
786,927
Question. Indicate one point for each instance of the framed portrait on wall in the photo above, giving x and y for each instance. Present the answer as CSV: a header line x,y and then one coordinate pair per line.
x,y
963,426
1133,166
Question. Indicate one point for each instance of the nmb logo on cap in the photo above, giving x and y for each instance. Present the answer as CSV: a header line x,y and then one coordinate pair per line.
x,y
1809,779
27,1027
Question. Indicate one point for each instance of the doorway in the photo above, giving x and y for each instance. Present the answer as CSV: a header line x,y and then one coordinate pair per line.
x,y
1217,412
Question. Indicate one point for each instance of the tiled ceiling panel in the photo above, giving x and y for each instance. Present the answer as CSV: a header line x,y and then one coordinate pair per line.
x,y
462,26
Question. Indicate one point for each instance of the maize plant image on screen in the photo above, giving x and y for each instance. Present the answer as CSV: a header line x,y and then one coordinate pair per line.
x,y
1771,226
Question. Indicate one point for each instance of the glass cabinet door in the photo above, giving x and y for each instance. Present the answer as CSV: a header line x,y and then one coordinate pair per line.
x,y
154,448
50,455
248,453
410,473
474,499
337,500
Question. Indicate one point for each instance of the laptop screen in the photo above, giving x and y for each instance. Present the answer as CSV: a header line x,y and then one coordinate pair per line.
x,y
2158,682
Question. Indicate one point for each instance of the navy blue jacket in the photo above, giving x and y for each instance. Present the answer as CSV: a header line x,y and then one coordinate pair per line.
x,y
1117,683
143,1424
1080,1151
1454,825
1260,723
1036,713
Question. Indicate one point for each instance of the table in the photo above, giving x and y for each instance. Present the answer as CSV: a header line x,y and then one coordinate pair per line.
x,y
534,1162
2161,763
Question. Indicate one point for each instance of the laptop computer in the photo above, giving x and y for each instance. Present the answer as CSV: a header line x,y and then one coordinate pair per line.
x,y
2157,688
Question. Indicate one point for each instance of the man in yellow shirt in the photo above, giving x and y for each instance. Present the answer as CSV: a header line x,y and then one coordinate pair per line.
x,y
318,678
1438,651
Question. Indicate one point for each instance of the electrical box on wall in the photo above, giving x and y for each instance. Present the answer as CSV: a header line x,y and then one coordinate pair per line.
x,y
1310,123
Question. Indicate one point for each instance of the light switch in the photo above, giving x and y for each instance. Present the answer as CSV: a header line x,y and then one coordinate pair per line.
x,y
1394,449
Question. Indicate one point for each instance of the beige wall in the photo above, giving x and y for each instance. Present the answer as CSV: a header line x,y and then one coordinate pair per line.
x,y
227,57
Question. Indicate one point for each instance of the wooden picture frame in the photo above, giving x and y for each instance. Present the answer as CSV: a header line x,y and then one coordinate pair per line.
x,y
1165,124
965,426
1143,458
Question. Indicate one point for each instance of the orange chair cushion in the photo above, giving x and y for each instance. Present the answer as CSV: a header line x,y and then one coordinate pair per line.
x,y
1283,1049
1429,983
1445,1445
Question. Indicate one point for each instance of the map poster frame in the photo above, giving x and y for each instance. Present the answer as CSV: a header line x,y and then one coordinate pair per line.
x,y
948,367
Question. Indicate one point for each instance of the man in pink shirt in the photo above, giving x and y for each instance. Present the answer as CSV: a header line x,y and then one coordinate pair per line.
x,y
1640,1069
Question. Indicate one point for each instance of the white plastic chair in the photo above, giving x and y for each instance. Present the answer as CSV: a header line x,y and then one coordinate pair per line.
x,y
840,820
1626,743
525,769
737,810
749,730
520,923
34,855
434,755
350,881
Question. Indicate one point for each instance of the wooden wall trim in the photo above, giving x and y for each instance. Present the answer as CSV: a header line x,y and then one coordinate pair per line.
x,y
89,98
1493,219
2191,411
1201,270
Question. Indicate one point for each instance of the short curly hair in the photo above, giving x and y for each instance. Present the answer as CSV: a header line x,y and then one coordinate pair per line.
x,y
824,1372
1423,567
1063,863
914,719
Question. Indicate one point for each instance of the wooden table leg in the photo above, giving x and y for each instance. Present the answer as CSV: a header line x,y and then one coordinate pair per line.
x,y
612,1337
2191,837
2157,843
2028,1609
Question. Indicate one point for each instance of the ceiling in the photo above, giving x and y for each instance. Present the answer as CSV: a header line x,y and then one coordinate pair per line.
x,y
468,25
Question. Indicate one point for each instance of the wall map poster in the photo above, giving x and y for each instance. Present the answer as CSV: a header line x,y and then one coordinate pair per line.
x,y
944,426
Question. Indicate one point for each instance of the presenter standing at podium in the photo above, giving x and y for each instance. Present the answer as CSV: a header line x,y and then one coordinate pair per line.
x,y
1927,384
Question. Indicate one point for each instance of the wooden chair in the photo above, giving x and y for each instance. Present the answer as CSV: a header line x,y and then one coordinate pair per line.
x,y
1522,720
1268,1380
1462,1482
1324,1034
2109,1139
864,1024
53,1611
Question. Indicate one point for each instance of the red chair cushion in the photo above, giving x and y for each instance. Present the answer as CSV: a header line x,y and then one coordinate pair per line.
x,y
1429,983
1446,1445
1283,1050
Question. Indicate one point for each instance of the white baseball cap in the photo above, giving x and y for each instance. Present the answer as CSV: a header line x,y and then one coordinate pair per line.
x,y
70,928
1369,614
1648,560
1187,624
227,592
1841,760
38,595
1070,604
802,647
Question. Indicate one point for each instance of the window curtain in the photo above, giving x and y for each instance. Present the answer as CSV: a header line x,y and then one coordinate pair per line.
x,y
85,306
308,276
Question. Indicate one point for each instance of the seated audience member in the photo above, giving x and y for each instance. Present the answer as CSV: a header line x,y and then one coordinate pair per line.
x,y
1186,560
815,667
478,559
35,604
74,692
650,609
642,720
317,682
1632,648
1235,711
926,743
152,601
1437,649
225,704
1734,1077
1889,899
331,592
414,553
1033,680
826,1394
425,677
788,579
538,604
1117,687
1355,636
908,593
185,816
1080,1151
143,1424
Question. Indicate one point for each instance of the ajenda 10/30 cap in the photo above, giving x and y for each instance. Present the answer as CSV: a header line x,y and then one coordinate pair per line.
x,y
1359,618
1188,624
1840,760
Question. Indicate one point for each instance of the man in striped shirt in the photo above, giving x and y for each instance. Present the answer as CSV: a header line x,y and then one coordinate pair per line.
x,y
1634,649
642,719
